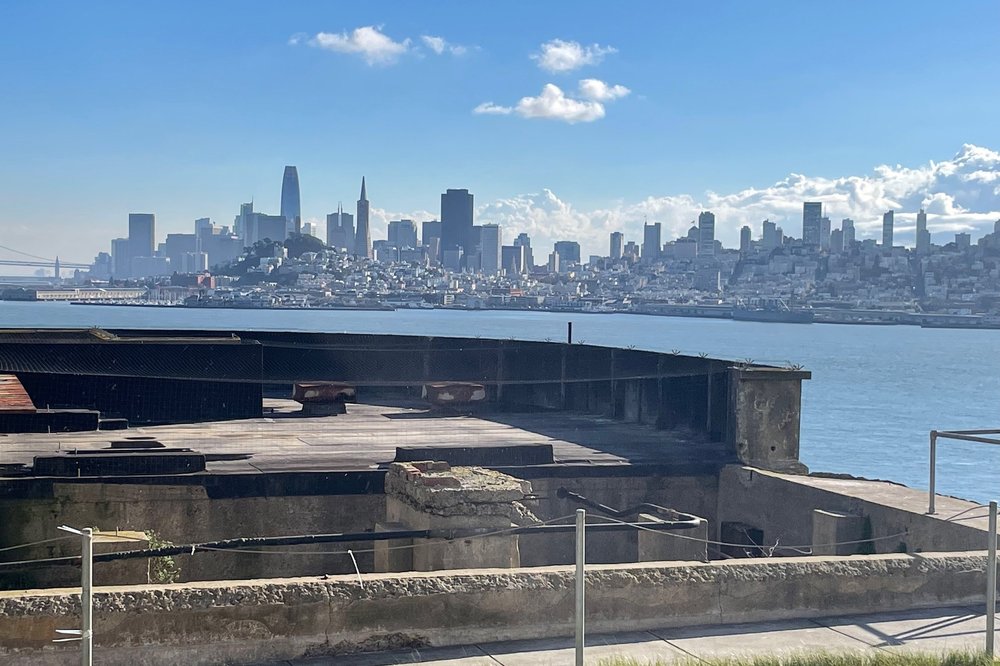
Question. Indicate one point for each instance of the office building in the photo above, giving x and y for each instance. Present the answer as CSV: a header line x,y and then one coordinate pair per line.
x,y
290,208
770,238
523,240
963,241
706,234
255,227
141,236
430,235
121,258
363,236
923,244
652,242
490,244
340,230
617,245
512,259
824,233
456,221
176,245
887,223
310,229
147,267
403,233
812,214
837,241
191,262
746,239
568,251
847,226
631,253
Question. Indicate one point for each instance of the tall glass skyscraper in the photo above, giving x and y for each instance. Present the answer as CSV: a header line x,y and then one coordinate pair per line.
x,y
887,224
456,221
706,234
290,208
812,216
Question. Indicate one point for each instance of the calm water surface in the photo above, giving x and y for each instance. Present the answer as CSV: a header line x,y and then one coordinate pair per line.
x,y
876,391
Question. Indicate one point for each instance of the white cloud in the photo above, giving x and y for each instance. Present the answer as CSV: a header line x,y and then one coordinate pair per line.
x,y
960,194
554,104
491,108
600,91
441,46
368,42
562,56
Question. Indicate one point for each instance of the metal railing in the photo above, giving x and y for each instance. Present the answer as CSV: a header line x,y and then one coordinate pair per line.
x,y
963,435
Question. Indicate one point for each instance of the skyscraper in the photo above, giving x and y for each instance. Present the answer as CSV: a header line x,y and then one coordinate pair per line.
x,y
568,251
340,230
847,226
812,214
491,244
142,234
746,236
430,236
512,257
923,236
121,258
402,233
887,229
652,243
769,237
523,240
706,234
363,239
617,245
456,221
290,208
824,233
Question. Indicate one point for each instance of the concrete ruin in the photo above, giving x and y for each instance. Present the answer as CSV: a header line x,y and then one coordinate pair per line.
x,y
418,455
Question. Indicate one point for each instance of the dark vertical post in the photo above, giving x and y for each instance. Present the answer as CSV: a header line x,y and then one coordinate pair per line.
x,y
569,332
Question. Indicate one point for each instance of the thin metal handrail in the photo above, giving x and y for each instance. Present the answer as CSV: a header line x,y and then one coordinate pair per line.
x,y
962,435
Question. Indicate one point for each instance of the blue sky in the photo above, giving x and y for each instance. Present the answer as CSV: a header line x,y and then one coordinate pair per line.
x,y
187,109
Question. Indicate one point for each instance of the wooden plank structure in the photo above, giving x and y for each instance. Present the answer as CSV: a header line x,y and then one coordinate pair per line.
x,y
13,398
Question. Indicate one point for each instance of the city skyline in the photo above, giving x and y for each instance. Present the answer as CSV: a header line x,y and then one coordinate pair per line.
x,y
594,125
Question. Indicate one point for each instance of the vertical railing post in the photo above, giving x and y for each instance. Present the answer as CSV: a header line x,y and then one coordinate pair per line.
x,y
581,556
87,598
991,580
569,332
933,471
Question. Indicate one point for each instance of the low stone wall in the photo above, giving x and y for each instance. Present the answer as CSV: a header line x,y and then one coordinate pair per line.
x,y
270,620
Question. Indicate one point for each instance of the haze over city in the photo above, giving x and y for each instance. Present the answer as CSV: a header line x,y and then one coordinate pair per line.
x,y
565,125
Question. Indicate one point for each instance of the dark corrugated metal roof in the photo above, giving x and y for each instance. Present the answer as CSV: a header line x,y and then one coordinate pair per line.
x,y
13,397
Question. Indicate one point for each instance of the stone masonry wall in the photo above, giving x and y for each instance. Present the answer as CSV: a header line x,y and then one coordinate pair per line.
x,y
271,620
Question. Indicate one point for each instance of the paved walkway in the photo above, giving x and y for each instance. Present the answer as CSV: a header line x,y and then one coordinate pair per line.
x,y
931,631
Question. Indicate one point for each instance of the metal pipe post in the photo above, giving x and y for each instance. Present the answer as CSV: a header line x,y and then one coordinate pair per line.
x,y
991,580
933,461
569,332
581,548
87,599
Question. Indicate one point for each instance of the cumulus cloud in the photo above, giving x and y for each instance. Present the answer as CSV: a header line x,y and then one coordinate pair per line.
x,y
960,194
558,55
367,42
441,46
554,104
600,91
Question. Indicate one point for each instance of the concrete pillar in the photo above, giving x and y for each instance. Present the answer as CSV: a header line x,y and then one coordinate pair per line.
x,y
688,545
830,527
763,430
453,500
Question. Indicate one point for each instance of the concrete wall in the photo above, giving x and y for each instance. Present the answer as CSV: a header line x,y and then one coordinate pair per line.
x,y
272,620
782,506
187,514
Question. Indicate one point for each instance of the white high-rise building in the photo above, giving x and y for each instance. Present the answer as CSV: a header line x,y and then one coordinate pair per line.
x,y
491,244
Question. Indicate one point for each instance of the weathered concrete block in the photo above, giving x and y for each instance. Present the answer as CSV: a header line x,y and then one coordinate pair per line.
x,y
454,393
687,545
306,392
833,527
765,406
393,555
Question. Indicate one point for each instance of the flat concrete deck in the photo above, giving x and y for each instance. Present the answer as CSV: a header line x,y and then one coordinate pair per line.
x,y
367,436
933,631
